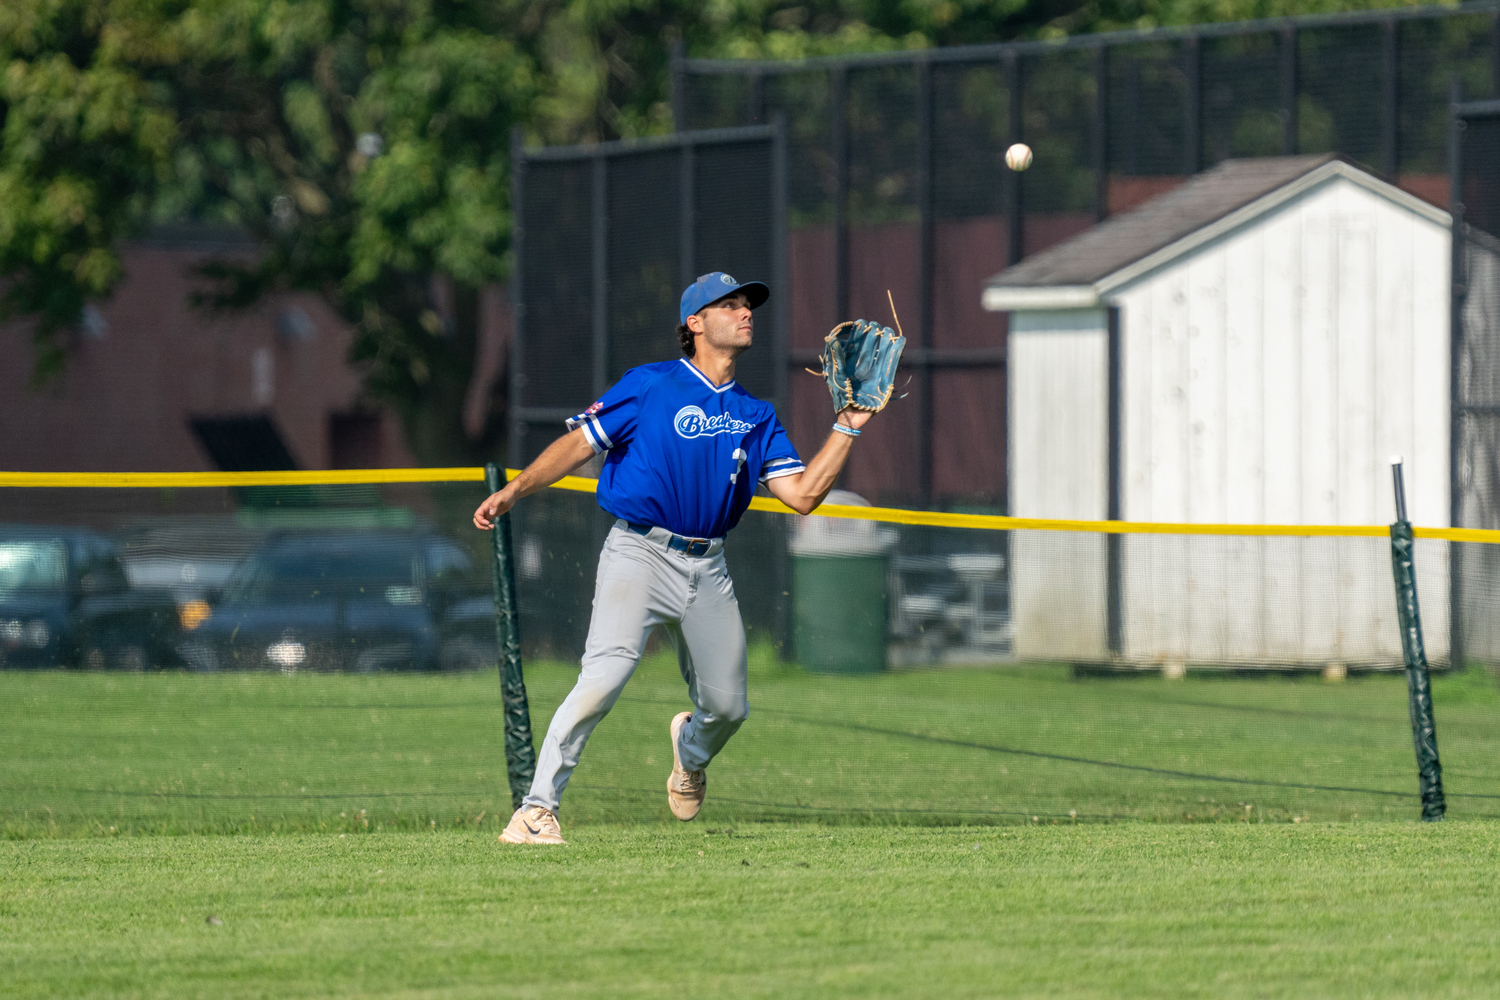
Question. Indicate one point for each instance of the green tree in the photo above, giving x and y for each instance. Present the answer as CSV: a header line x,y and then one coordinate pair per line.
x,y
367,148
365,143
86,140
604,64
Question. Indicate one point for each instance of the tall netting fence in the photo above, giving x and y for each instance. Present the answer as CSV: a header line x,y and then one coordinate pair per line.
x,y
1476,372
608,236
896,177
322,658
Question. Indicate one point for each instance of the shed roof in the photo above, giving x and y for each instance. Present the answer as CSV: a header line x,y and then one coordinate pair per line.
x,y
1076,272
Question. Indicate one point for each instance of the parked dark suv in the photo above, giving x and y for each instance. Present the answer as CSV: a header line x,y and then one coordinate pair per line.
x,y
65,601
352,601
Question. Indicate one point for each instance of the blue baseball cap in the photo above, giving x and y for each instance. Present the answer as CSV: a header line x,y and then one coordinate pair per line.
x,y
715,285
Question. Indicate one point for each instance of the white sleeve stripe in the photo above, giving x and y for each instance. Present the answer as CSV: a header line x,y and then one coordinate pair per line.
x,y
575,423
783,461
785,470
592,431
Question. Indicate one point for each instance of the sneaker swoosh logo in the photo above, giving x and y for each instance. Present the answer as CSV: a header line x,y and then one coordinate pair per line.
x,y
529,829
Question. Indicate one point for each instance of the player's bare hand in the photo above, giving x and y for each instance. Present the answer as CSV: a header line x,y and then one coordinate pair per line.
x,y
852,418
494,505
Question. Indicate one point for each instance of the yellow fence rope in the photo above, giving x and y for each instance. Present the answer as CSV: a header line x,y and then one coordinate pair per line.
x,y
890,515
194,480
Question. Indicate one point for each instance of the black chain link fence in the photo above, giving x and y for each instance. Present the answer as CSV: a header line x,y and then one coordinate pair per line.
x,y
896,177
1476,369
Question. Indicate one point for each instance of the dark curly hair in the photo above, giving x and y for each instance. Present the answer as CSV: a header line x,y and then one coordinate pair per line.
x,y
685,339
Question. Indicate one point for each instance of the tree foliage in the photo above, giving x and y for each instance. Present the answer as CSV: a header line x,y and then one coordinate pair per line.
x,y
85,142
124,112
365,143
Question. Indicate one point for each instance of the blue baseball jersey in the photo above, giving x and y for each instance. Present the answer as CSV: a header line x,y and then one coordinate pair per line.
x,y
684,454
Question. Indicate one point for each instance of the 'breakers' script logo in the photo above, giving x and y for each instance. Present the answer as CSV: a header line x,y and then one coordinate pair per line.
x,y
692,422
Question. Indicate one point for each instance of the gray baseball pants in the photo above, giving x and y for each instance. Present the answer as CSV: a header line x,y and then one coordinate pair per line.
x,y
642,583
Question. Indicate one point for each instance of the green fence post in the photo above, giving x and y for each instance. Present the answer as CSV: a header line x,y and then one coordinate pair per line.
x,y
520,755
1414,652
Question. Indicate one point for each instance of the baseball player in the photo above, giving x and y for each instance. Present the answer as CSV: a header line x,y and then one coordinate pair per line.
x,y
685,448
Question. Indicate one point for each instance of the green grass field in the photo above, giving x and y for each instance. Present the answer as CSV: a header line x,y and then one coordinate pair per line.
x,y
767,910
100,754
1009,832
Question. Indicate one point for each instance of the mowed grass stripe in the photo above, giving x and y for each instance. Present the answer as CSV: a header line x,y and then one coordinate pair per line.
x,y
185,753
759,910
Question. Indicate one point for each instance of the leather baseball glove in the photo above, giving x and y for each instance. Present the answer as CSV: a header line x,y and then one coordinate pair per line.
x,y
859,364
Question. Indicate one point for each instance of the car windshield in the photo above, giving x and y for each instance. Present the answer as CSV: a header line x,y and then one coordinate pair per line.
x,y
324,572
33,565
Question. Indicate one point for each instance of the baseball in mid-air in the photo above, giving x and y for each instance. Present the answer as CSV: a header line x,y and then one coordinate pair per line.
x,y
1018,157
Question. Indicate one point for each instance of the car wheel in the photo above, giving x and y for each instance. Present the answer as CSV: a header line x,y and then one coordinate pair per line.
x,y
464,655
199,657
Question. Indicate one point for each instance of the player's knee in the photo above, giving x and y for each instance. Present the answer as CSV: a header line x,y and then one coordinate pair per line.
x,y
731,711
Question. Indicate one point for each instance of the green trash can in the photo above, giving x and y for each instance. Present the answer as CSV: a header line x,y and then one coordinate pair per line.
x,y
840,599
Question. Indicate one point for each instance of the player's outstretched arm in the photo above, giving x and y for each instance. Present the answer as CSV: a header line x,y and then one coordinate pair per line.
x,y
561,457
806,490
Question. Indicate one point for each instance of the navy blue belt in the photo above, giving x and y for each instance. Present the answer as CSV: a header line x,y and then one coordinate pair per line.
x,y
690,546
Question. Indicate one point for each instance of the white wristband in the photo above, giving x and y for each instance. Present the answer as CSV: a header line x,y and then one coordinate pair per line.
x,y
846,430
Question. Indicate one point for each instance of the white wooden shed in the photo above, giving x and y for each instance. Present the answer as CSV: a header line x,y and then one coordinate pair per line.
x,y
1249,348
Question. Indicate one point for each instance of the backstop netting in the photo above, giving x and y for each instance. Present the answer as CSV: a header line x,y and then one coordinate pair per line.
x,y
896,178
322,658
1476,375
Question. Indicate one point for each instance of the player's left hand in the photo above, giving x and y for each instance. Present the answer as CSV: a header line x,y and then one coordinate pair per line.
x,y
852,418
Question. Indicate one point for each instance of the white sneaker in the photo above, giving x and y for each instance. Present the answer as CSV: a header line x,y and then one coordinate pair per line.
x,y
532,825
685,788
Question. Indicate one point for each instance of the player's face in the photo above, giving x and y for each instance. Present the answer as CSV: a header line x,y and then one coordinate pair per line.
x,y
727,323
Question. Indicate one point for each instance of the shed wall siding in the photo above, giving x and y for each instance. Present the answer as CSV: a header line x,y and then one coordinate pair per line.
x,y
1266,378
1059,433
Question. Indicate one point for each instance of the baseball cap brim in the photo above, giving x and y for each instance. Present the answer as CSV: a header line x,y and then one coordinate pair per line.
x,y
716,286
756,293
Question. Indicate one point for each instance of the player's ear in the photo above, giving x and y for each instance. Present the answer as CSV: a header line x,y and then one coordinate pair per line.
x,y
695,322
